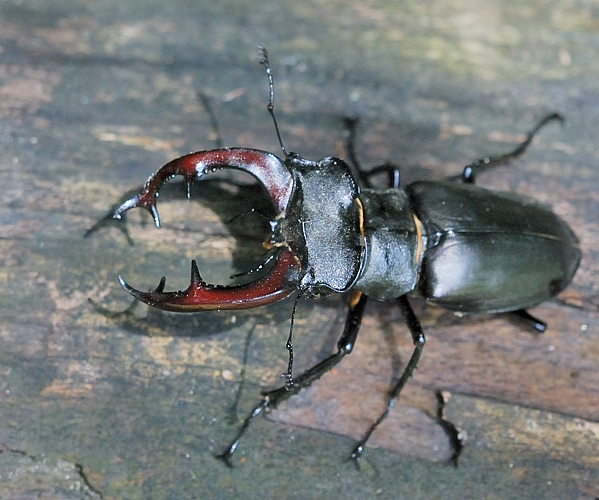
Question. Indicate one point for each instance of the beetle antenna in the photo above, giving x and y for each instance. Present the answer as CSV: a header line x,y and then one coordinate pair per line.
x,y
255,270
263,56
248,212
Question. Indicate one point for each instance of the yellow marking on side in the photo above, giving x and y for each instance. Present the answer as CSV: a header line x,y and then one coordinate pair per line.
x,y
361,221
268,245
419,246
354,298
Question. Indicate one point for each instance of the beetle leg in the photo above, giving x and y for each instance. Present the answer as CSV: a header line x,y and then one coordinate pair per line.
x,y
419,341
529,319
271,399
488,162
388,168
469,177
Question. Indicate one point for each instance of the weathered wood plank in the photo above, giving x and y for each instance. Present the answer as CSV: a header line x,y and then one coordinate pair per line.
x,y
95,97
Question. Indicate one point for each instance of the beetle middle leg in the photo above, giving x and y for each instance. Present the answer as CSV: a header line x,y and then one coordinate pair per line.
x,y
392,171
469,172
488,162
393,181
419,341
271,399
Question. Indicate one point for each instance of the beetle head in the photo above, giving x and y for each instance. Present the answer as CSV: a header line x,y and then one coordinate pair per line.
x,y
315,235
321,223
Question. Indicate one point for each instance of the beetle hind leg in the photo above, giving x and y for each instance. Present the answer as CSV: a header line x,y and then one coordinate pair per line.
x,y
527,318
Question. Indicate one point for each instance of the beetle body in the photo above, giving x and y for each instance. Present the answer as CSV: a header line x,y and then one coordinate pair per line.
x,y
490,251
477,250
461,247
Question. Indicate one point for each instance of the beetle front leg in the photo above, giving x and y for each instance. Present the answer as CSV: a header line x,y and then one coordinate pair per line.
x,y
271,399
392,171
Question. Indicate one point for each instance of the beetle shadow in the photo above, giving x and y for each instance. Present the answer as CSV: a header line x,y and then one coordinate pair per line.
x,y
109,221
246,211
244,208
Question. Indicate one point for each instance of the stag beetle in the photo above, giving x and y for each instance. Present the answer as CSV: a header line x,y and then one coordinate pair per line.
x,y
460,247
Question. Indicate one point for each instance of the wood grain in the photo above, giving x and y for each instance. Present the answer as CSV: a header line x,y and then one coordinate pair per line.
x,y
94,97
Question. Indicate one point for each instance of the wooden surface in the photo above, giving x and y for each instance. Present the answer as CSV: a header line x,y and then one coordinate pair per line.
x,y
98,403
